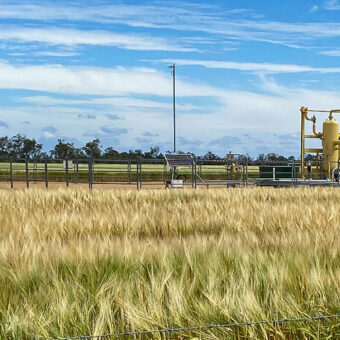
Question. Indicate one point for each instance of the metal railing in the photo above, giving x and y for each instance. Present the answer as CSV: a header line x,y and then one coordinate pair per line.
x,y
154,173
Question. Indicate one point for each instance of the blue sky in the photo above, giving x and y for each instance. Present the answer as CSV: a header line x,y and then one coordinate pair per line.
x,y
80,70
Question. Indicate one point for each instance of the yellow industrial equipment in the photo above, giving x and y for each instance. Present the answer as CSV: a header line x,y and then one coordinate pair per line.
x,y
233,171
330,137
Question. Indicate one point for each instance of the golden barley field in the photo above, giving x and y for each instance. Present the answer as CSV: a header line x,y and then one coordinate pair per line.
x,y
79,262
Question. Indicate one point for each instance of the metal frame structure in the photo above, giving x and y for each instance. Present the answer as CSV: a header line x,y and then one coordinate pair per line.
x,y
175,161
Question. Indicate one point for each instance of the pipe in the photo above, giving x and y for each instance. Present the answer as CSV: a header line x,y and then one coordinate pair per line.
x,y
304,116
317,134
333,172
303,111
331,113
325,111
313,150
311,136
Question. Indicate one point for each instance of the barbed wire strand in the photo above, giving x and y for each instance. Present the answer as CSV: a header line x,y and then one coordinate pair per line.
x,y
203,327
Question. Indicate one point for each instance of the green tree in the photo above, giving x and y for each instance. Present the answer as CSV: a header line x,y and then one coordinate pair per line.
x,y
4,153
22,147
64,150
210,156
93,149
153,153
111,153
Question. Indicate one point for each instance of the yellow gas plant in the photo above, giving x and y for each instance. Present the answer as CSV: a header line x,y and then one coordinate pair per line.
x,y
329,136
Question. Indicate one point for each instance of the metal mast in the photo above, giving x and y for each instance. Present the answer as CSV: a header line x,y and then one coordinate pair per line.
x,y
173,67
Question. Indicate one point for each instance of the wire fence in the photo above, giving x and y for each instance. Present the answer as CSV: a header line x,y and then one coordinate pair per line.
x,y
171,331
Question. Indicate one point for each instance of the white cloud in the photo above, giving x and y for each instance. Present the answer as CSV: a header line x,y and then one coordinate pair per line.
x,y
257,122
331,53
243,112
47,134
120,104
95,80
56,54
233,108
187,17
332,5
314,8
50,101
253,67
73,37
131,14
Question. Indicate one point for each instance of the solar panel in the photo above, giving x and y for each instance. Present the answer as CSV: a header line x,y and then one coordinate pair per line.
x,y
176,160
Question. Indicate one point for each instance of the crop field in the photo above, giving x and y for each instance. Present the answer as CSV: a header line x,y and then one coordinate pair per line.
x,y
78,262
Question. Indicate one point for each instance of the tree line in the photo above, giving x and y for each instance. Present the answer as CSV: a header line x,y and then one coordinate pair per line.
x,y
22,147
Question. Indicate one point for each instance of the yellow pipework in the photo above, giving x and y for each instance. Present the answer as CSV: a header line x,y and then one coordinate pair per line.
x,y
304,116
330,140
304,111
330,152
330,117
233,171
316,134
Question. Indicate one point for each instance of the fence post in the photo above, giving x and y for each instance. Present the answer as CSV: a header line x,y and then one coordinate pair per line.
x,y
66,172
195,173
129,171
90,172
138,167
46,174
11,172
35,168
140,173
77,172
165,173
137,174
27,178
244,175
192,174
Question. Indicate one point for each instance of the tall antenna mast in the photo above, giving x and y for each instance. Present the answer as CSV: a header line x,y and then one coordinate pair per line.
x,y
173,67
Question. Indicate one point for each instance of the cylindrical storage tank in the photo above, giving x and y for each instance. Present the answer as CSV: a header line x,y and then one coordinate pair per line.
x,y
330,151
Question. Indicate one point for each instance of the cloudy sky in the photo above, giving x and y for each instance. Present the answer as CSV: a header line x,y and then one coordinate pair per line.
x,y
80,70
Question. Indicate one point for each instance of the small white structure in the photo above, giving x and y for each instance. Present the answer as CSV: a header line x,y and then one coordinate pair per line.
x,y
69,163
177,183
